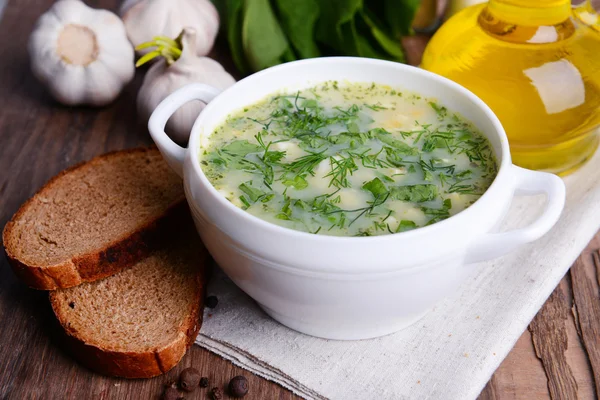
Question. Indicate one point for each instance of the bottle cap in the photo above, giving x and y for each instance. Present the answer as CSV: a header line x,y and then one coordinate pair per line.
x,y
531,12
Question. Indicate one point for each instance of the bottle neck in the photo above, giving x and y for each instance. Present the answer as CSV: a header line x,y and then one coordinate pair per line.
x,y
530,12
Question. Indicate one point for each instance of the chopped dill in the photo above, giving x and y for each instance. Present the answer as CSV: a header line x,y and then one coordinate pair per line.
x,y
348,167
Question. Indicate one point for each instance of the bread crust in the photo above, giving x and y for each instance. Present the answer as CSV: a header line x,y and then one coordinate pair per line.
x,y
119,254
132,365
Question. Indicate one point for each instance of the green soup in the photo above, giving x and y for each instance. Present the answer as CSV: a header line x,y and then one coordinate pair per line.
x,y
348,160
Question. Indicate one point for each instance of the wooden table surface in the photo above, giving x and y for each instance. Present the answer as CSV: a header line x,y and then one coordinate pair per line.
x,y
557,357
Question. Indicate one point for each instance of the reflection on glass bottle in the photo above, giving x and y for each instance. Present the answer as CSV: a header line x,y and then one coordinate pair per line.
x,y
536,63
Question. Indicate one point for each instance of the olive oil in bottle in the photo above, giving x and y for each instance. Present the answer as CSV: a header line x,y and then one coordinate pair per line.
x,y
536,63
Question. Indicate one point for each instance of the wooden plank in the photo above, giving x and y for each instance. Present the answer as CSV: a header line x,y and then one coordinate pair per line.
x,y
520,376
586,293
549,338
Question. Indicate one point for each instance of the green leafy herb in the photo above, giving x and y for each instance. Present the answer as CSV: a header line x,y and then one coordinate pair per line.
x,y
340,169
438,139
376,187
427,176
438,214
461,188
245,202
286,210
399,15
298,20
437,165
324,204
305,164
253,193
240,148
372,160
415,193
405,225
335,19
387,43
298,182
353,127
398,145
263,33
368,210
441,111
375,107
385,177
263,40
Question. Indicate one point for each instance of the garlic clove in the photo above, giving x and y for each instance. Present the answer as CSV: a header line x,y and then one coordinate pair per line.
x,y
117,53
145,19
68,11
114,59
44,47
102,86
161,80
200,70
68,85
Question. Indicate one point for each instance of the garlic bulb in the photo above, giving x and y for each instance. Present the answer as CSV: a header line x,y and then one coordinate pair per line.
x,y
145,19
163,79
81,54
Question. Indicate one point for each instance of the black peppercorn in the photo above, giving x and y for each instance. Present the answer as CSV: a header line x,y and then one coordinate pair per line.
x,y
216,393
212,301
238,386
189,379
203,382
171,394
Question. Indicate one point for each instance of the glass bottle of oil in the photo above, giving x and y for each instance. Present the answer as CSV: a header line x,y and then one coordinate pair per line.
x,y
536,63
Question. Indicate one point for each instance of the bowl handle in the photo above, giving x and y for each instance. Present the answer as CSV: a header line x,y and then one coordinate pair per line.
x,y
527,182
171,151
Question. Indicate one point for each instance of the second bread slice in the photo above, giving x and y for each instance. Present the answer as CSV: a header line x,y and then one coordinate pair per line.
x,y
140,322
94,219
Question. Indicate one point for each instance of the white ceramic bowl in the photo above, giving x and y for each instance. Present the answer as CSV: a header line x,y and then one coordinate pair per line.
x,y
350,287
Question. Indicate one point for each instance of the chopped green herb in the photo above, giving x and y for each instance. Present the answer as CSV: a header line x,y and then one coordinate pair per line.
x,y
375,107
298,182
240,148
341,167
245,202
406,225
376,187
438,214
253,193
335,159
414,193
305,164
353,127
427,176
441,111
397,144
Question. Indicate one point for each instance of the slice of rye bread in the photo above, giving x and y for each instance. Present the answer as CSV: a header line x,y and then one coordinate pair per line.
x,y
140,322
94,219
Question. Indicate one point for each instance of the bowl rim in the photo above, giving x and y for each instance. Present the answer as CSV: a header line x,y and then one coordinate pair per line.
x,y
503,166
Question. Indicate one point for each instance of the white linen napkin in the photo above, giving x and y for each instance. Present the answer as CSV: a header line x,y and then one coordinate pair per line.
x,y
450,354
